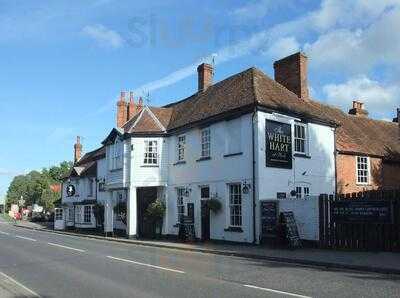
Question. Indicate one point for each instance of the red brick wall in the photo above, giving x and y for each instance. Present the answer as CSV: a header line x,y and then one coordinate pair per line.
x,y
382,175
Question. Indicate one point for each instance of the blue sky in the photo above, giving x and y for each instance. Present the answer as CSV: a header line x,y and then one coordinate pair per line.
x,y
64,62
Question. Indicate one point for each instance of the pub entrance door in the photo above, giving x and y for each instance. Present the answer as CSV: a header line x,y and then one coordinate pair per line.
x,y
205,221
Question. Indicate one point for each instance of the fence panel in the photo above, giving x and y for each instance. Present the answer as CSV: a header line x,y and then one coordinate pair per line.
x,y
360,221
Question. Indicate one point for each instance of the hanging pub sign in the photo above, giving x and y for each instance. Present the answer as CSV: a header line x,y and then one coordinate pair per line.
x,y
278,148
70,190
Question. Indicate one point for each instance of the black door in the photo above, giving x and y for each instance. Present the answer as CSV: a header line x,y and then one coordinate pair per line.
x,y
205,221
145,196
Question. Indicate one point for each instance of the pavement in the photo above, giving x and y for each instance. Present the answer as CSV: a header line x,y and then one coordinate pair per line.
x,y
380,262
60,265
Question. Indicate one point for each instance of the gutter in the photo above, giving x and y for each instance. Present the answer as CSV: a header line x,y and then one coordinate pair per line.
x,y
254,174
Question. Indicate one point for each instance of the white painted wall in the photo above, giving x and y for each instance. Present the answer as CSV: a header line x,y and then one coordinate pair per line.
x,y
319,168
142,175
306,214
216,172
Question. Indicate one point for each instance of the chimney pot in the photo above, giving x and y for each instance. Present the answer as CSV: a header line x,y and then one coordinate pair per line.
x,y
205,73
291,72
77,149
131,106
358,109
122,110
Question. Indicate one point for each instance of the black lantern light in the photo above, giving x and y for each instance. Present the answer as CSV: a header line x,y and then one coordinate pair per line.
x,y
246,188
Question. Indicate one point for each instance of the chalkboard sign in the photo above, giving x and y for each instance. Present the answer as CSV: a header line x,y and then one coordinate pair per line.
x,y
269,218
186,229
361,211
292,233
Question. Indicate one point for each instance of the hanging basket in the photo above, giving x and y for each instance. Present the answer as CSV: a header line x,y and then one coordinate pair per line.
x,y
214,205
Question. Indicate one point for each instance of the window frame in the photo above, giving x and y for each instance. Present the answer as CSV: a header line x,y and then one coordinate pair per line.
x,y
205,143
201,192
367,170
181,148
85,214
180,203
304,139
150,156
58,214
235,218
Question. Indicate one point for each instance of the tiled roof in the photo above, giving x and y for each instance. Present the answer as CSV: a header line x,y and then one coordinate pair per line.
x,y
92,156
252,87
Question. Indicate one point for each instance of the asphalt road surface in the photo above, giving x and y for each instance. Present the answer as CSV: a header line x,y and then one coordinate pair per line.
x,y
52,265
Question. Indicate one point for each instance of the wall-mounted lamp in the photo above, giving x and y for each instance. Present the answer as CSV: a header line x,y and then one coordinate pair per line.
x,y
187,191
246,187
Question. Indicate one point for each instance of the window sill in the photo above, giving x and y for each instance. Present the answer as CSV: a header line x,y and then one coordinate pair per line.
x,y
302,155
363,184
149,166
181,162
234,229
203,158
115,170
233,154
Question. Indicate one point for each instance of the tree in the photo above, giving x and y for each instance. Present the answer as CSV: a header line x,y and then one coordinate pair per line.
x,y
34,187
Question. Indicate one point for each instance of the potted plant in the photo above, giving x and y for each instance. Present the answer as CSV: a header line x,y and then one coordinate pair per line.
x,y
98,211
214,205
155,212
120,209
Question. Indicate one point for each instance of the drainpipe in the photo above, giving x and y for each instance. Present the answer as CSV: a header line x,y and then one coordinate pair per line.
x,y
254,174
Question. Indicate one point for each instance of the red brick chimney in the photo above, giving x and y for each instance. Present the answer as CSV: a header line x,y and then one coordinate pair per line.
x,y
122,110
140,104
291,72
131,106
77,149
205,76
358,109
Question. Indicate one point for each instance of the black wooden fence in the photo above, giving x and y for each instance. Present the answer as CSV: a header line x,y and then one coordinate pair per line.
x,y
361,221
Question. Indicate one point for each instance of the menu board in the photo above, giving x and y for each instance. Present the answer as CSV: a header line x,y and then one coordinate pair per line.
x,y
292,233
269,218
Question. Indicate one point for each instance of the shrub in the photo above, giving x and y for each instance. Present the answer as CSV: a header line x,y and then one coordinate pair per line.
x,y
156,210
214,205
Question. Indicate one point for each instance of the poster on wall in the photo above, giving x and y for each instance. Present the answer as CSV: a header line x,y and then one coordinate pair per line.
x,y
278,148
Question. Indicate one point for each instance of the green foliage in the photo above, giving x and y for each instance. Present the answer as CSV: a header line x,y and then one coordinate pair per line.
x,y
121,210
98,210
156,210
214,205
34,187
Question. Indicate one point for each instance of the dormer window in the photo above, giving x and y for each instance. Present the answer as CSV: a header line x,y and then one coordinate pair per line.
x,y
300,139
115,154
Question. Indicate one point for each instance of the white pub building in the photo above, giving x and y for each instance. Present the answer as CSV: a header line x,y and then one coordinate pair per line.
x,y
240,141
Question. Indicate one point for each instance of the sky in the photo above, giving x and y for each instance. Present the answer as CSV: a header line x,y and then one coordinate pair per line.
x,y
64,63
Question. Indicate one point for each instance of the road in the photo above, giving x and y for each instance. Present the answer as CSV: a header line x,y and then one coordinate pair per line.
x,y
54,265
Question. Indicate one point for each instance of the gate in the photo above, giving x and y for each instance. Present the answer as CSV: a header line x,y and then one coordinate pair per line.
x,y
362,221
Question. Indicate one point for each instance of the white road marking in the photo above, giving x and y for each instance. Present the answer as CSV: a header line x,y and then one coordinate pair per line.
x,y
20,285
4,233
25,238
276,291
147,265
66,247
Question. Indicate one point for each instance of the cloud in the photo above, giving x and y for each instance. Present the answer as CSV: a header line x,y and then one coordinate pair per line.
x,y
283,47
253,10
358,50
11,173
349,13
104,36
378,98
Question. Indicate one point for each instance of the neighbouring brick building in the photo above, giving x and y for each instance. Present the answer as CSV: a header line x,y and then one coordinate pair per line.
x,y
367,150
